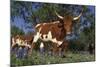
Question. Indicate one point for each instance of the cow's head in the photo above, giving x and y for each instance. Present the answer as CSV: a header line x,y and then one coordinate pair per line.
x,y
67,22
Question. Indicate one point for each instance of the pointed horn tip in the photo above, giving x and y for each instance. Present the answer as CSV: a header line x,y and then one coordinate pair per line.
x,y
58,15
82,11
78,16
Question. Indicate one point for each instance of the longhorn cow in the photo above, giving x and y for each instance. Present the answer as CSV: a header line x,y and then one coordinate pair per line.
x,y
55,31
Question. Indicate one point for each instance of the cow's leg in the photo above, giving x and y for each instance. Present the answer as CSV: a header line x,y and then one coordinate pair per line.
x,y
19,53
35,39
60,51
50,52
14,49
55,49
28,49
64,48
42,48
31,49
25,51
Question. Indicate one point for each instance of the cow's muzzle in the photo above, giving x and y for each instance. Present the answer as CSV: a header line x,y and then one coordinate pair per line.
x,y
68,33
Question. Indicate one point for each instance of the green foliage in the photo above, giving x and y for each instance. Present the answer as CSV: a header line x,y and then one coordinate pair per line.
x,y
76,46
37,59
86,37
16,31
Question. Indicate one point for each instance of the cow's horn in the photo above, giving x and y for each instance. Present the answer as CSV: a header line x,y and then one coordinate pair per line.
x,y
76,18
59,15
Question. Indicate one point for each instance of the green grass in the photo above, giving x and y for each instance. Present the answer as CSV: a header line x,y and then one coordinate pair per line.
x,y
36,59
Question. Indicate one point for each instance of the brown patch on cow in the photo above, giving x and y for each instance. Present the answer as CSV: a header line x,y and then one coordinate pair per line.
x,y
56,31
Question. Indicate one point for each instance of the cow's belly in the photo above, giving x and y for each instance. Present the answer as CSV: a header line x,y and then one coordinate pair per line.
x,y
54,40
46,37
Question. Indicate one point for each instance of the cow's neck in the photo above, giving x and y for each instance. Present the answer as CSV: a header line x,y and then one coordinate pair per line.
x,y
63,33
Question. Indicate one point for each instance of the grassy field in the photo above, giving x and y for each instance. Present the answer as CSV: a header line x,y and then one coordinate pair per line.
x,y
37,59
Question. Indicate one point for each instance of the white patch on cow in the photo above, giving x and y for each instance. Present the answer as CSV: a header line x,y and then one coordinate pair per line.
x,y
22,43
13,42
25,43
55,22
44,37
49,38
37,25
44,23
68,33
55,41
18,41
37,36
59,42
41,45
